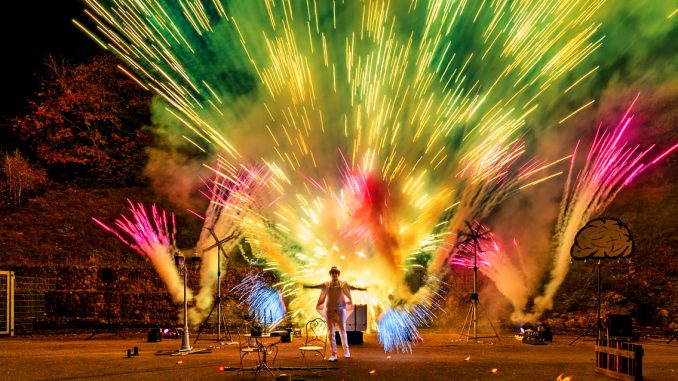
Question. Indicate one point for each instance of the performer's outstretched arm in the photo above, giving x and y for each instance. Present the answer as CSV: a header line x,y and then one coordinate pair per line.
x,y
346,289
321,285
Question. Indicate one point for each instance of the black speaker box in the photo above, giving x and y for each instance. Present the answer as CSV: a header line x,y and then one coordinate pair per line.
x,y
287,336
154,335
619,326
354,337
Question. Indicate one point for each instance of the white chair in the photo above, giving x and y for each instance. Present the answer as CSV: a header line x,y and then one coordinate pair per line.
x,y
316,338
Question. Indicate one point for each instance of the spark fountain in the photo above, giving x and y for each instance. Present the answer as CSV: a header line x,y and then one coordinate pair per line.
x,y
611,164
152,238
379,127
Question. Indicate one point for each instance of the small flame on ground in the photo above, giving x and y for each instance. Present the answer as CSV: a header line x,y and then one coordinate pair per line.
x,y
561,378
494,370
180,362
373,372
388,357
468,358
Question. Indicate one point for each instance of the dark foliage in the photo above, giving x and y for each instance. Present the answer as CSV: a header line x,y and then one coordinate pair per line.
x,y
56,228
85,125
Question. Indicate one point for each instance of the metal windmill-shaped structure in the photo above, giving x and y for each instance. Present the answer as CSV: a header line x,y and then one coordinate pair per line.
x,y
475,233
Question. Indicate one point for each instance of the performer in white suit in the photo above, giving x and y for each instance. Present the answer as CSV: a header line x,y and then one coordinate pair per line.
x,y
335,297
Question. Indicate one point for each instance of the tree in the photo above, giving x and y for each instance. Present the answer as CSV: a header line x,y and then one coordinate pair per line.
x,y
21,179
86,124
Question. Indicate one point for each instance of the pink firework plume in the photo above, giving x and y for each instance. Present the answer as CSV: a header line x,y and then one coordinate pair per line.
x,y
151,237
610,165
146,233
506,271
231,188
369,217
368,210
485,253
231,193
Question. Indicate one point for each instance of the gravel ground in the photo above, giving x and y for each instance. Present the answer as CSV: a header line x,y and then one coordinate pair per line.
x,y
440,357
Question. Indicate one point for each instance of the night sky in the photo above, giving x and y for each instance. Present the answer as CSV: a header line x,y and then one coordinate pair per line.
x,y
33,30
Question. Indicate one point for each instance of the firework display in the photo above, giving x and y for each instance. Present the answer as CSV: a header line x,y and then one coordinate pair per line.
x,y
231,198
610,165
363,134
153,237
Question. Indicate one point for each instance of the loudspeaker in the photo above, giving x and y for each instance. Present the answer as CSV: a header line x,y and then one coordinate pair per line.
x,y
154,335
356,320
354,337
619,326
287,336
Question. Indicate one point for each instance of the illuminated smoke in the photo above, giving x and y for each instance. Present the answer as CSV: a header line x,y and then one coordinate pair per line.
x,y
506,271
611,164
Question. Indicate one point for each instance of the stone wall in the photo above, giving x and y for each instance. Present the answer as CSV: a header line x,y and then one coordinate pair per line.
x,y
88,297
29,300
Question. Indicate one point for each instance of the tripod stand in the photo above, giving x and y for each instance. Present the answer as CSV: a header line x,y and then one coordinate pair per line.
x,y
221,321
472,322
472,316
599,321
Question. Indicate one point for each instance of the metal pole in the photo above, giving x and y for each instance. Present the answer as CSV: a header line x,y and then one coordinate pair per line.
x,y
599,321
185,343
219,292
475,289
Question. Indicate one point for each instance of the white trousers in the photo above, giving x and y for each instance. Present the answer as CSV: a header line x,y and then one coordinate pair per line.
x,y
336,321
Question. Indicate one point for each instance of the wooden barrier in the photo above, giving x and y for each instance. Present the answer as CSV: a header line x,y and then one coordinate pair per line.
x,y
620,360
